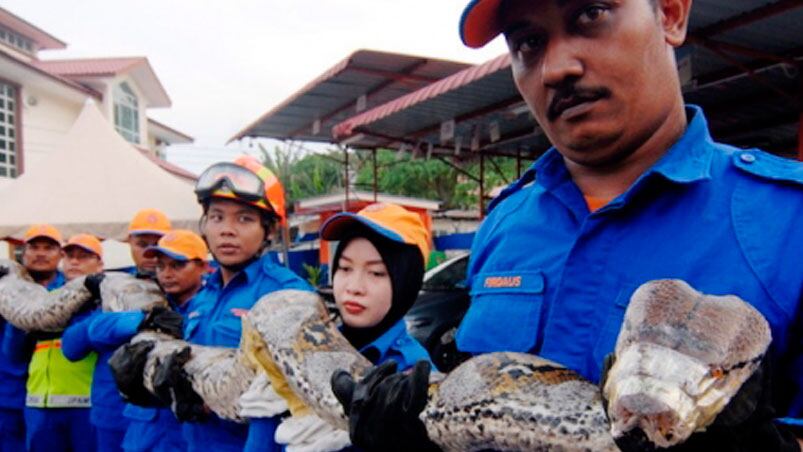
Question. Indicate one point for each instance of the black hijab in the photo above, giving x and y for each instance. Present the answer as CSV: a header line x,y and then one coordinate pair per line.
x,y
405,267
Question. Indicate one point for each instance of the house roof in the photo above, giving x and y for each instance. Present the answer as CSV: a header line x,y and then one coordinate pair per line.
x,y
172,135
43,39
28,68
94,67
333,96
170,167
139,68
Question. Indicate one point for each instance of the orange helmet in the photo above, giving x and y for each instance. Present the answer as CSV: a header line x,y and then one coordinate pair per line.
x,y
245,180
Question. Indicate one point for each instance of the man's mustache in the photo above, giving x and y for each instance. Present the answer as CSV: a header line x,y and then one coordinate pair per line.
x,y
569,95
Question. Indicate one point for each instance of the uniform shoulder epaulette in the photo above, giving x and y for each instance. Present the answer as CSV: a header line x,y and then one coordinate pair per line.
x,y
768,166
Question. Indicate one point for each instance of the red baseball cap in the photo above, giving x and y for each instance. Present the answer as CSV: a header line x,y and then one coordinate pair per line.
x,y
480,23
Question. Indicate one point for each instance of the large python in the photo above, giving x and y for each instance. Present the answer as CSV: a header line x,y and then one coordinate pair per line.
x,y
513,401
30,307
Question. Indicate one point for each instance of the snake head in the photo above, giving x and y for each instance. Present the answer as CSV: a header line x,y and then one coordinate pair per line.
x,y
681,357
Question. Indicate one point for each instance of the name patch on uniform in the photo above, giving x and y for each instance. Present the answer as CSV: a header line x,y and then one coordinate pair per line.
x,y
498,282
239,312
193,314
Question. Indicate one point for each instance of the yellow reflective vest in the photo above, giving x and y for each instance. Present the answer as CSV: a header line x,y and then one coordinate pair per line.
x,y
56,382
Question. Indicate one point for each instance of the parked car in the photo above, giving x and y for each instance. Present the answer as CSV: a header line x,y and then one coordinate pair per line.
x,y
438,310
436,313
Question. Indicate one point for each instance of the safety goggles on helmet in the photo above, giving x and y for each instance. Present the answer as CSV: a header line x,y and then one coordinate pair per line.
x,y
240,181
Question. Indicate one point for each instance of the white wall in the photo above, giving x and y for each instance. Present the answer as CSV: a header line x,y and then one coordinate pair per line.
x,y
45,124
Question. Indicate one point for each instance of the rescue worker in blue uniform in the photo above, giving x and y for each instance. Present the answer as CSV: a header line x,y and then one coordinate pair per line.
x,y
242,204
378,269
181,265
102,332
41,258
635,189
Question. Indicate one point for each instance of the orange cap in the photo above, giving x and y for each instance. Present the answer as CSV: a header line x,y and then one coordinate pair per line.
x,y
86,241
149,221
43,230
389,220
181,245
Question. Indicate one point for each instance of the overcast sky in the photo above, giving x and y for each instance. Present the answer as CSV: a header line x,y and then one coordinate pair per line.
x,y
225,63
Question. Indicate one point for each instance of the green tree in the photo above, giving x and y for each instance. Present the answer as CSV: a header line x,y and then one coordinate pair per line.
x,y
304,174
434,179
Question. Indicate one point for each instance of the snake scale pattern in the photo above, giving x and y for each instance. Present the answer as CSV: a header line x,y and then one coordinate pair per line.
x,y
681,356
30,307
679,359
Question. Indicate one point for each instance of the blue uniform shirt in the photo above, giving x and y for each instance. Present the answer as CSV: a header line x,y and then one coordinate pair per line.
x,y
214,320
550,278
102,332
397,344
154,429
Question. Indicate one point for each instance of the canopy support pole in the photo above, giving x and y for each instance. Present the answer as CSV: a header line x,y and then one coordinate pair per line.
x,y
346,176
373,158
482,185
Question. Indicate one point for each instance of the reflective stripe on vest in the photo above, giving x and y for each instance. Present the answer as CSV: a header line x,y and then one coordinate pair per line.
x,y
56,382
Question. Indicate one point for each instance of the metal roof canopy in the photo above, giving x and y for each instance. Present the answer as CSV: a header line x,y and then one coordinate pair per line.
x,y
745,58
334,95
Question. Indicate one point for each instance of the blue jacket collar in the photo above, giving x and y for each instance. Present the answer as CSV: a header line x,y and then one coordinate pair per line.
x,y
688,160
384,342
57,282
249,273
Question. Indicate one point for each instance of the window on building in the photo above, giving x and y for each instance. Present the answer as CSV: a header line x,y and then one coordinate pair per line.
x,y
16,40
126,112
8,130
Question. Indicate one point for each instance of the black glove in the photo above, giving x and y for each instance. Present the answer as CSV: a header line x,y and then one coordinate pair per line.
x,y
128,365
383,408
172,385
745,424
92,284
163,320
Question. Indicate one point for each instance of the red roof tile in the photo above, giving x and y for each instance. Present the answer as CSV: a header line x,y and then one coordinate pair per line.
x,y
89,66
